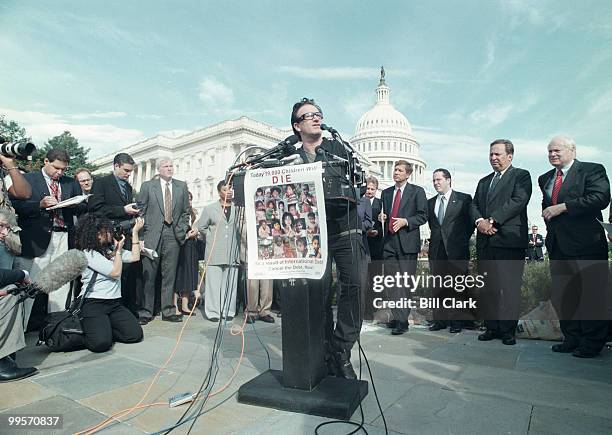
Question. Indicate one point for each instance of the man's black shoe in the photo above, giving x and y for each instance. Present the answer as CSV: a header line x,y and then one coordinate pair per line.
x,y
392,324
455,329
580,353
144,320
437,326
563,348
250,319
344,366
267,318
508,340
488,335
173,318
400,328
9,371
214,319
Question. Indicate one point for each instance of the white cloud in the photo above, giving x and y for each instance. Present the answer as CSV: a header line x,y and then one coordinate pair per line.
x,y
489,53
357,104
537,14
97,115
496,113
100,138
331,72
215,94
603,104
348,72
493,115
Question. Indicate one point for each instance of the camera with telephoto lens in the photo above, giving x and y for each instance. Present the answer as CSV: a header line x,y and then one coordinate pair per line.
x,y
19,150
124,228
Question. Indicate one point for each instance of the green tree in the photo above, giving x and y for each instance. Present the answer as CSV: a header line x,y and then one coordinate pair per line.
x,y
66,141
11,131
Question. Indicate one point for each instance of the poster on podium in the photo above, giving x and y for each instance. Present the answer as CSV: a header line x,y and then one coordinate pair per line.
x,y
285,218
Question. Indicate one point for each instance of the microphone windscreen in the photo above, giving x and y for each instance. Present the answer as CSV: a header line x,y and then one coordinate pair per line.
x,y
62,270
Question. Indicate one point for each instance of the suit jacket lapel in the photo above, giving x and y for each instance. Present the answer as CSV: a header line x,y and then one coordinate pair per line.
x,y
43,183
158,195
117,189
175,192
501,183
408,192
568,181
548,176
452,207
64,185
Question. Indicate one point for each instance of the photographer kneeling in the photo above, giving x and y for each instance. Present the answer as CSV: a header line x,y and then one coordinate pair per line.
x,y
104,317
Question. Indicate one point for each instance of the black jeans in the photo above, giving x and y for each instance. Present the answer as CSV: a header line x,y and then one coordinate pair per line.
x,y
106,321
348,253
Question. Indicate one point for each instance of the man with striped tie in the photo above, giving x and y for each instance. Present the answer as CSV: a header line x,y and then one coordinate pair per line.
x,y
574,194
165,208
46,234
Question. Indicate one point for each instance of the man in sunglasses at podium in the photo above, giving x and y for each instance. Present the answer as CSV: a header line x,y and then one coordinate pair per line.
x,y
344,240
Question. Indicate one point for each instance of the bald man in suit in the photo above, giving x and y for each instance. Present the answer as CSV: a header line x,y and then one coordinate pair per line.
x,y
574,194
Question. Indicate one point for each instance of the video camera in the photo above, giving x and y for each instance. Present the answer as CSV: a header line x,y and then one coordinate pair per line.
x,y
19,150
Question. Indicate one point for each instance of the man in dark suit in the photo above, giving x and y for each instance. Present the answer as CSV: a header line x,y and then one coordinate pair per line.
x,y
47,234
499,210
451,227
404,211
165,208
112,197
375,238
535,243
574,193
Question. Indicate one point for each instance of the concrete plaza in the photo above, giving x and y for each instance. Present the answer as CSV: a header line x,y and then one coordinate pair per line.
x,y
427,383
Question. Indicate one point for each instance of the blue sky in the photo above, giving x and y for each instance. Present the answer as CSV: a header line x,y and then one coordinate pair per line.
x,y
463,72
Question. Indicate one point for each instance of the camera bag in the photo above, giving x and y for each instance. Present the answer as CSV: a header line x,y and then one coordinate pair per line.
x,y
61,331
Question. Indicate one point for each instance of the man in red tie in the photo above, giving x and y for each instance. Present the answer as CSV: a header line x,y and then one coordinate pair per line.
x,y
535,243
574,194
47,234
404,211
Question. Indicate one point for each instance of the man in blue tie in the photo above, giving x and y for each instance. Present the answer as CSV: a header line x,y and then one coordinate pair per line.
x,y
449,246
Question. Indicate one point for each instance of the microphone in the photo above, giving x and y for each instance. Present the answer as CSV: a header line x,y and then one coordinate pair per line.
x,y
65,268
326,127
319,150
283,148
293,159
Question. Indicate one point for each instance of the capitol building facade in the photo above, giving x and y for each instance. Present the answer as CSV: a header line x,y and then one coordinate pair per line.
x,y
202,157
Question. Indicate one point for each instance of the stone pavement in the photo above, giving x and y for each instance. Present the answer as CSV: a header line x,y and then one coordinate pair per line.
x,y
428,383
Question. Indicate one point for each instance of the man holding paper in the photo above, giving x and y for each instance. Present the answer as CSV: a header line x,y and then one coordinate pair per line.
x,y
46,234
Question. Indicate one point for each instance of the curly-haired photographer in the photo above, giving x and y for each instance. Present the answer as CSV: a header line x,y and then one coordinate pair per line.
x,y
104,317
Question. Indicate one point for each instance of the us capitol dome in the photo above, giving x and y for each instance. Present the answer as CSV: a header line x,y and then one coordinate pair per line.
x,y
384,135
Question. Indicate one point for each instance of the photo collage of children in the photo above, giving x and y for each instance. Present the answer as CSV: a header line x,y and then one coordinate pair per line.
x,y
287,221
